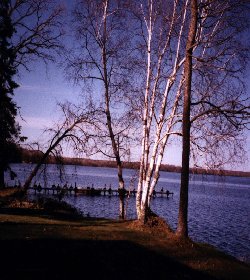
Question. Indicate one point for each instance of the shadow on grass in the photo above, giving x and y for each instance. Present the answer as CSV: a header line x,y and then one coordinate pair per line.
x,y
60,215
87,259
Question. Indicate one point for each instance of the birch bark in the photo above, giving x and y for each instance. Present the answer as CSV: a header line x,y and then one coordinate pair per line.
x,y
163,124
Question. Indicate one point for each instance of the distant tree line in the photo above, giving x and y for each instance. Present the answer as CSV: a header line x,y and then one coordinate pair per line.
x,y
34,156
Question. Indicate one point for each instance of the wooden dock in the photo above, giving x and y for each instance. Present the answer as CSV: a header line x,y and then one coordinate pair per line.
x,y
91,191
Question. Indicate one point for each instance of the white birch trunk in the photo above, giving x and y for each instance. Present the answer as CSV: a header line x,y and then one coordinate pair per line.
x,y
163,143
145,136
146,186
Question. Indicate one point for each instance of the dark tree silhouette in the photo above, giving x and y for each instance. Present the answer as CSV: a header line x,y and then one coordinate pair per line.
x,y
182,229
29,29
73,131
9,129
215,105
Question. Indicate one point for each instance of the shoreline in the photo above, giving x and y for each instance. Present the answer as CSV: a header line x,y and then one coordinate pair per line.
x,y
65,244
33,156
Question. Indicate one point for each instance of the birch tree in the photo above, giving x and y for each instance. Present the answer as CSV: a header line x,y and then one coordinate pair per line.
x,y
74,130
99,61
163,47
219,60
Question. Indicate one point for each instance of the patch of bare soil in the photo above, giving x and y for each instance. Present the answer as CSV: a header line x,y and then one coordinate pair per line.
x,y
155,225
23,204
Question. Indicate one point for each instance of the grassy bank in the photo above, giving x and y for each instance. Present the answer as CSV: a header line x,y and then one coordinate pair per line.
x,y
41,242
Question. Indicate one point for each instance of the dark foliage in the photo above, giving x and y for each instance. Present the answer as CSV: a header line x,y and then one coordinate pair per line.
x,y
9,130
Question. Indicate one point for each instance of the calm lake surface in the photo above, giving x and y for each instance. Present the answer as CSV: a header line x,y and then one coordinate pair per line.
x,y
219,207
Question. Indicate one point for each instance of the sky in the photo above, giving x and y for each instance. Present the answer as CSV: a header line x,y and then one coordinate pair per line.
x,y
39,92
43,88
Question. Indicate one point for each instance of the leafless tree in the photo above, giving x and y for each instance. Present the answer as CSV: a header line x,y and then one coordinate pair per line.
x,y
152,72
74,131
163,26
182,229
161,44
99,60
219,105
39,28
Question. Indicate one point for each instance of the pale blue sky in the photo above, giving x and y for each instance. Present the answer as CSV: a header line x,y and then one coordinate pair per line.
x,y
41,89
39,92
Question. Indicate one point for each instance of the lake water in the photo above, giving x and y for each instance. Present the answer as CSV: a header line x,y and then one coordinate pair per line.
x,y
219,207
